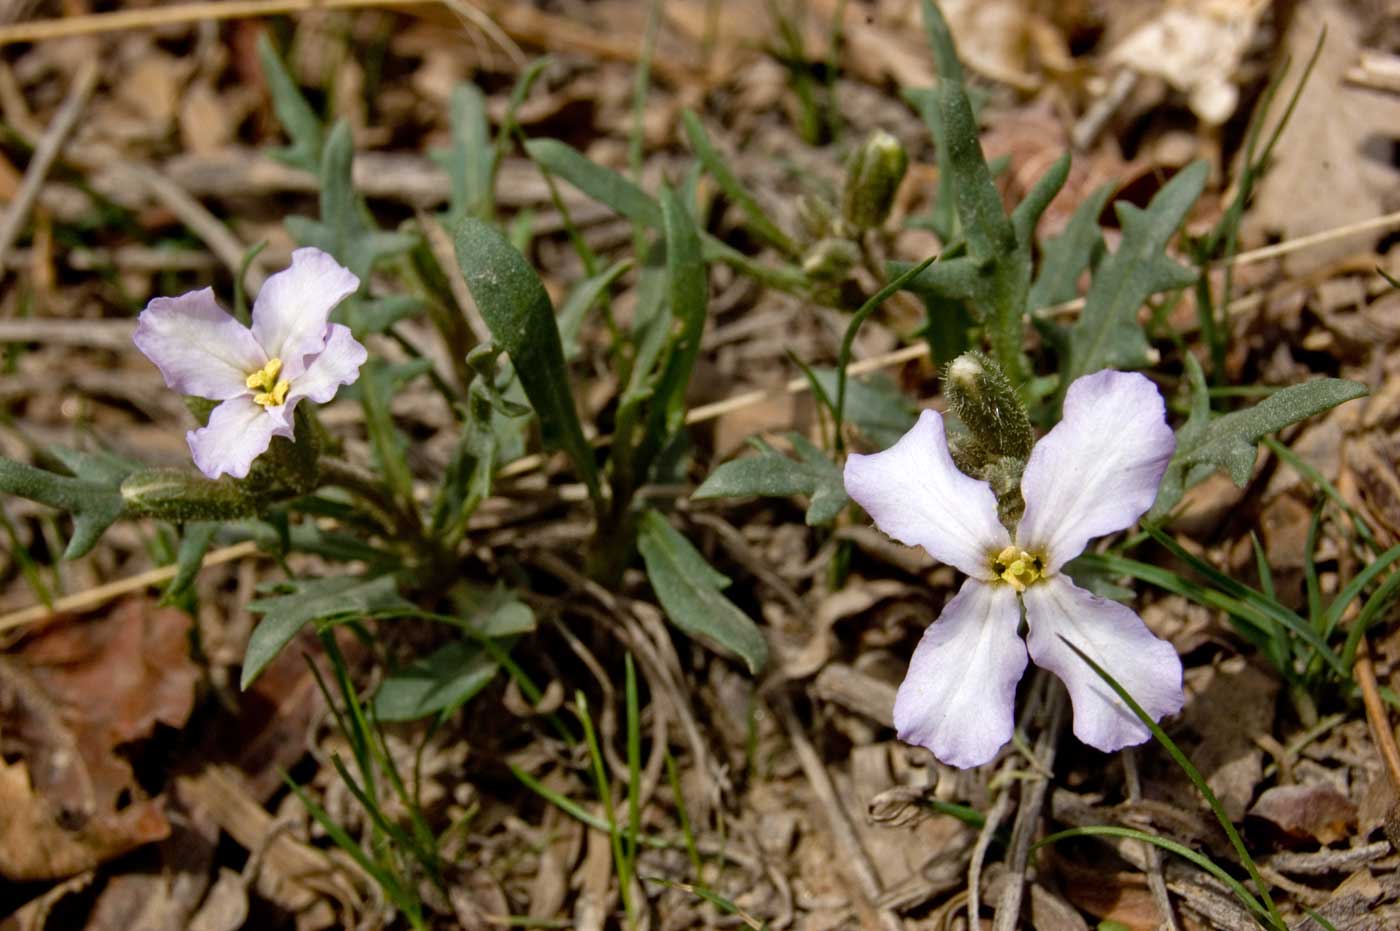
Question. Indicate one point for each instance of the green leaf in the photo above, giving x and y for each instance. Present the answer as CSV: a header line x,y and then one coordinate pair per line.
x,y
95,505
301,123
446,678
689,590
1064,258
773,475
1107,334
314,600
581,299
346,231
194,543
378,383
516,307
874,404
470,161
602,184
689,291
728,182
1229,442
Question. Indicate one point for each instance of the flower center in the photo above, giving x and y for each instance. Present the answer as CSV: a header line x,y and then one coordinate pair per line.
x,y
270,391
1017,568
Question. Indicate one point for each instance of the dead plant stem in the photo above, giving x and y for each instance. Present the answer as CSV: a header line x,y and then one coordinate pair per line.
x,y
1376,714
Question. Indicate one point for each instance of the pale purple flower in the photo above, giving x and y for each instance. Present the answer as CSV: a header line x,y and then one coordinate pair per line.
x,y
1095,473
291,352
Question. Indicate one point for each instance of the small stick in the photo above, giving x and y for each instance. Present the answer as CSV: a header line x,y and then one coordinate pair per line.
x,y
1028,813
857,860
1376,714
92,597
1153,857
200,221
44,156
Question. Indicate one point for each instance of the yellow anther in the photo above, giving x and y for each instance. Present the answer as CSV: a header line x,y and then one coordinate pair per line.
x,y
1017,568
265,377
274,392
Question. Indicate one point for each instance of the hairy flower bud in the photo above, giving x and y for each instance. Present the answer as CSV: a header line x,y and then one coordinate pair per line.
x,y
872,176
830,259
987,403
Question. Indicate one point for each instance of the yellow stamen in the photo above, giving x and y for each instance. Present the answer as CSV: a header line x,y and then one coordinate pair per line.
x,y
1017,568
266,376
274,392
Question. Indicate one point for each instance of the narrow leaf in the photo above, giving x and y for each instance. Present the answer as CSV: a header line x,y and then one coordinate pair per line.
x,y
689,591
516,307
719,169
602,184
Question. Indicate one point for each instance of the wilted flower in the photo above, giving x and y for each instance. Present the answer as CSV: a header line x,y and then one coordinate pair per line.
x,y
1095,473
291,352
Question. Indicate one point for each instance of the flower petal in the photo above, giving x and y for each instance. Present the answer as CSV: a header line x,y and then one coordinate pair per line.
x,y
338,364
915,494
199,349
239,431
290,314
1120,642
960,692
1098,470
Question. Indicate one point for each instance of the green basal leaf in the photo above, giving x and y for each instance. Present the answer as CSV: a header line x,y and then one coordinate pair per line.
x,y
1229,443
470,161
688,290
516,307
773,475
602,184
1108,334
689,590
584,296
1064,258
195,539
754,214
306,600
445,679
95,505
301,123
378,383
346,231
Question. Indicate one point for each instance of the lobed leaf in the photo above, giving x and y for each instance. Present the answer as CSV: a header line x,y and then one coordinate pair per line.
x,y
95,505
1108,334
1229,443
314,600
297,117
773,475
689,589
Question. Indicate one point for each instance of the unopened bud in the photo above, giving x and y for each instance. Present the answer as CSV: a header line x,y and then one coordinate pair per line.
x,y
984,399
179,496
872,176
816,216
830,259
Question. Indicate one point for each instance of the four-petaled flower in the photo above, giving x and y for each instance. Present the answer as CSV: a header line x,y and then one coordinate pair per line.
x,y
291,352
1095,473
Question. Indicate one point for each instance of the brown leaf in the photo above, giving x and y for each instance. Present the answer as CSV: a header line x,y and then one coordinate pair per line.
x,y
1318,811
70,697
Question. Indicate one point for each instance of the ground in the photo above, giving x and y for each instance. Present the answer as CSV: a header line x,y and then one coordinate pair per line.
x,y
141,787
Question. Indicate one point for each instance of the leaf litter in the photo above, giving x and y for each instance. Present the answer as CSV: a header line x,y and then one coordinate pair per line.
x,y
806,813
